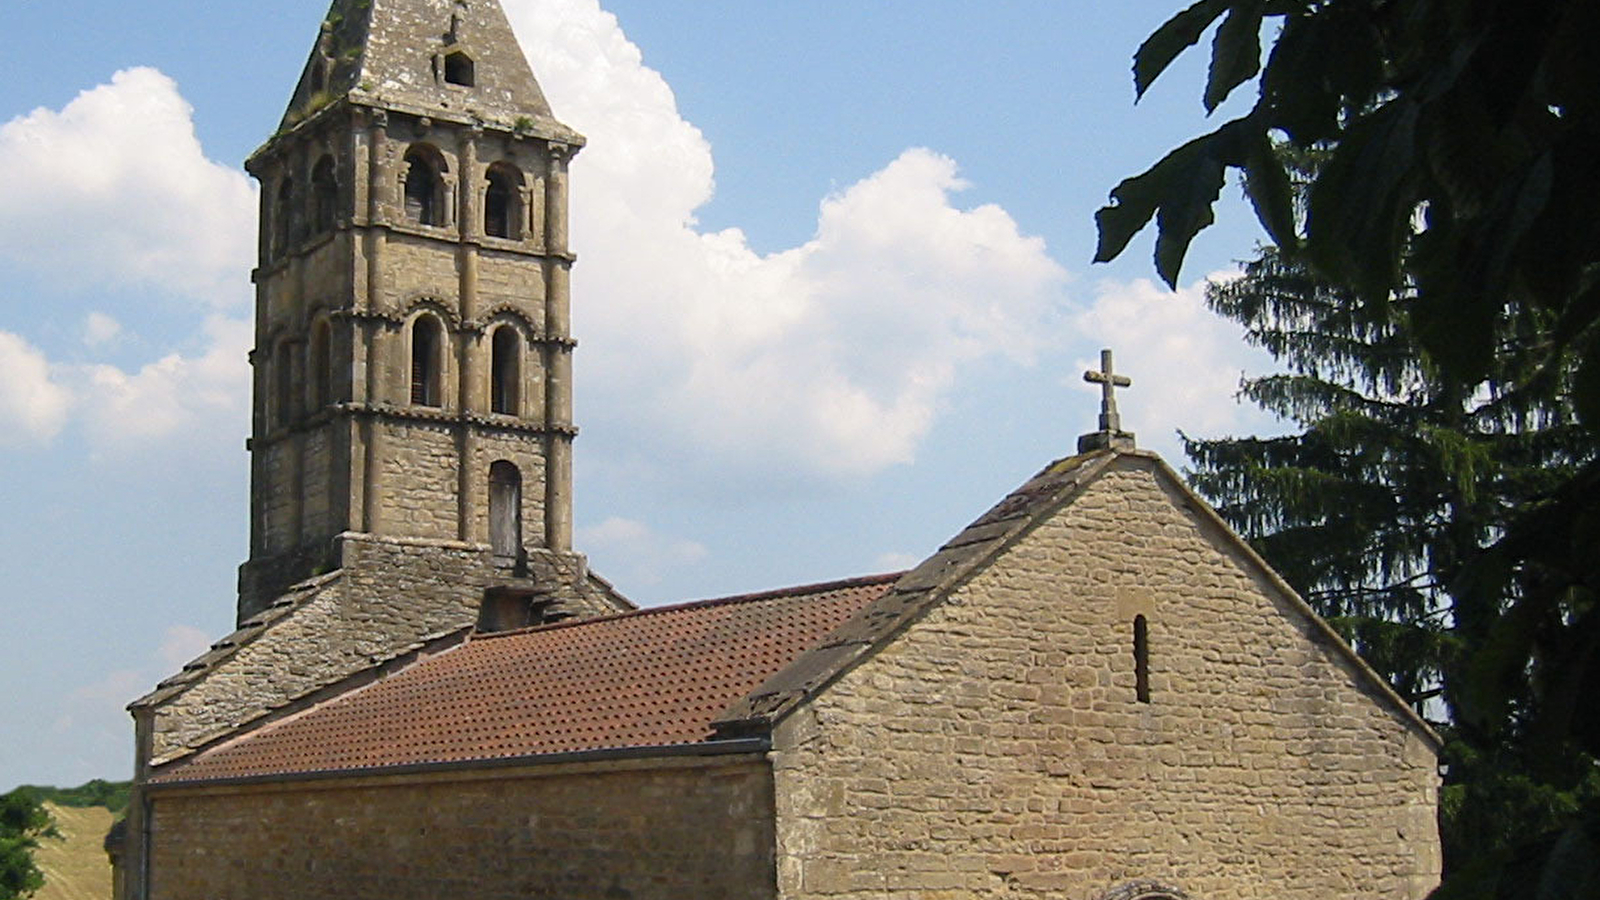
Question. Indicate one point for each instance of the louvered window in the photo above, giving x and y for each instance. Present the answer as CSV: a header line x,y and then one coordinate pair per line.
x,y
425,362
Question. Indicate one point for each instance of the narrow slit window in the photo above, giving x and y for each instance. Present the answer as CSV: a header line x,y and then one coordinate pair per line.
x,y
1141,658
506,371
425,362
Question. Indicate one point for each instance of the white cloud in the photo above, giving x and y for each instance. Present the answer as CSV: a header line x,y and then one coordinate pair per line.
x,y
112,692
176,394
895,562
115,188
181,645
635,552
830,358
1185,361
100,329
95,713
33,406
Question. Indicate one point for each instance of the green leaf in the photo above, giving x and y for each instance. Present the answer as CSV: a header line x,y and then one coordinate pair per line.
x,y
1179,190
1267,184
1235,53
1586,387
1186,212
1180,33
1360,210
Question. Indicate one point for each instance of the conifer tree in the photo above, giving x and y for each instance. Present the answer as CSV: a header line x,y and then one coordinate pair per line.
x,y
1380,508
23,820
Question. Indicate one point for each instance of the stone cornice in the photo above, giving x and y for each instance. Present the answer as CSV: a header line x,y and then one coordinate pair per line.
x,y
358,104
492,423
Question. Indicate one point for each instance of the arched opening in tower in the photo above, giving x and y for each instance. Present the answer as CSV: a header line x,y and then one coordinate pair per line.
x,y
283,218
502,202
505,509
506,371
319,370
426,361
424,188
324,196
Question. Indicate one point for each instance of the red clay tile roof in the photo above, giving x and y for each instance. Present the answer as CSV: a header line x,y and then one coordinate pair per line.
x,y
650,678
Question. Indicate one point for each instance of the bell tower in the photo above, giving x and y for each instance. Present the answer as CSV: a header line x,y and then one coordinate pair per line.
x,y
413,355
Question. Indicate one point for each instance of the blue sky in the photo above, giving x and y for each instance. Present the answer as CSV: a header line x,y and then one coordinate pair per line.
x,y
834,299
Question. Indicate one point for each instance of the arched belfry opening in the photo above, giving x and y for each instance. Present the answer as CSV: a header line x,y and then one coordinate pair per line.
x,y
283,218
427,361
324,196
424,185
283,381
319,367
505,510
505,378
502,202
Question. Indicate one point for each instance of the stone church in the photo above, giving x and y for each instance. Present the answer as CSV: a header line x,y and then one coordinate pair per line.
x,y
1095,691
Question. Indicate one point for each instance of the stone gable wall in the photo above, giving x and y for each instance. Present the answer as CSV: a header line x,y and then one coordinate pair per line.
x,y
997,749
618,831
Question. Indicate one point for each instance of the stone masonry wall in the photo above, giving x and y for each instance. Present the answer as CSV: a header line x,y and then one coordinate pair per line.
x,y
419,481
390,597
997,749
320,515
278,505
617,831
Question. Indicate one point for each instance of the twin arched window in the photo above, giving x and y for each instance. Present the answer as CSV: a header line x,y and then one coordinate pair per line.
x,y
425,196
288,228
428,362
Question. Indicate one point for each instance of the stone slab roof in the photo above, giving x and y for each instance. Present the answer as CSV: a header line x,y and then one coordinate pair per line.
x,y
388,54
651,678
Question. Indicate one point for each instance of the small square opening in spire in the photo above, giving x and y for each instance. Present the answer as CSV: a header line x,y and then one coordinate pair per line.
x,y
460,69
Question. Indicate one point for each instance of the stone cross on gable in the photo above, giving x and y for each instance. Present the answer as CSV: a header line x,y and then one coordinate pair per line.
x,y
1110,436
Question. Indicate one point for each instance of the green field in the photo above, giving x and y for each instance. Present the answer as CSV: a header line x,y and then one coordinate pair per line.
x,y
75,866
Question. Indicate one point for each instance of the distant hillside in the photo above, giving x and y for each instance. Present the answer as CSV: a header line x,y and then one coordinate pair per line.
x,y
75,866
113,795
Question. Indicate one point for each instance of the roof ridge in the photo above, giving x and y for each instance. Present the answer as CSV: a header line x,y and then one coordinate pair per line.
x,y
820,587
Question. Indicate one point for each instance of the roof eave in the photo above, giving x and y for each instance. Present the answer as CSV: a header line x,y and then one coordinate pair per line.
x,y
711,748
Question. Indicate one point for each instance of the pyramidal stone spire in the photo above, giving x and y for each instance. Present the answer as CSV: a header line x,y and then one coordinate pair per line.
x,y
453,59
